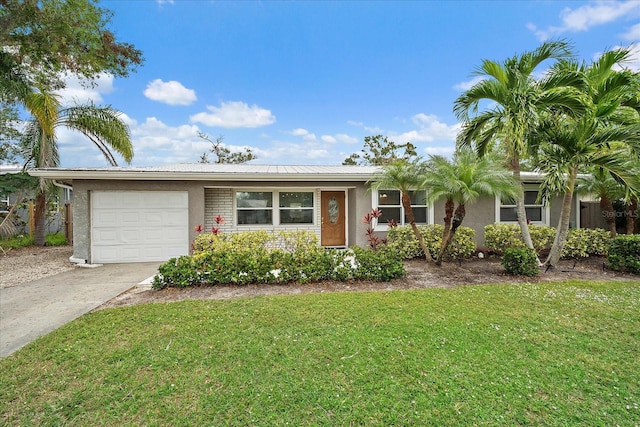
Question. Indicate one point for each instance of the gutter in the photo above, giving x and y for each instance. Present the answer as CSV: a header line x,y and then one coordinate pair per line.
x,y
62,185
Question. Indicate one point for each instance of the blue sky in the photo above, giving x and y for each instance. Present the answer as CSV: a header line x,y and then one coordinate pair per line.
x,y
305,82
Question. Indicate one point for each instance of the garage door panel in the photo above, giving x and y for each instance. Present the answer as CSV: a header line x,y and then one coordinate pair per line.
x,y
139,226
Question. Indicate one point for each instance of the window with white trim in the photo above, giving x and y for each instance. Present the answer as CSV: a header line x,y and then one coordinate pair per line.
x,y
296,207
257,207
536,212
390,204
4,203
254,207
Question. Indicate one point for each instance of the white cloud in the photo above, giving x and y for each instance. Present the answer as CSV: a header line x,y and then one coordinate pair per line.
x,y
305,134
171,92
329,139
340,137
429,129
634,61
446,150
346,139
633,34
462,86
234,114
301,153
78,91
583,18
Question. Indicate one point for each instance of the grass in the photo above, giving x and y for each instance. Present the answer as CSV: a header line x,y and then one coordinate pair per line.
x,y
534,354
23,241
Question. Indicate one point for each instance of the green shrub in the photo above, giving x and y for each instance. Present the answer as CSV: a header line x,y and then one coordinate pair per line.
x,y
583,242
404,243
57,239
500,237
20,241
274,258
624,253
382,264
520,262
542,236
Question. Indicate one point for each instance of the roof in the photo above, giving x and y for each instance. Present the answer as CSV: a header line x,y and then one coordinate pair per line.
x,y
214,172
5,169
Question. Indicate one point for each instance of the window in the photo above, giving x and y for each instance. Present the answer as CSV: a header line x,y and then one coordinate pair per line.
x,y
254,207
257,207
296,207
4,203
535,211
389,202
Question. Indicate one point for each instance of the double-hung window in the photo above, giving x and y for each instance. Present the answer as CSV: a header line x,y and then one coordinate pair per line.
x,y
536,212
390,204
257,207
254,207
296,207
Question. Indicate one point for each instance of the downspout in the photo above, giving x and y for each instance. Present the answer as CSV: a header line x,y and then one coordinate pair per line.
x,y
72,259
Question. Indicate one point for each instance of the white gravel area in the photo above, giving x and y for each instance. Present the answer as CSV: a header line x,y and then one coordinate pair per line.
x,y
26,264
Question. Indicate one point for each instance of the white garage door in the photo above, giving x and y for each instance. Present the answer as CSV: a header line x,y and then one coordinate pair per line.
x,y
139,226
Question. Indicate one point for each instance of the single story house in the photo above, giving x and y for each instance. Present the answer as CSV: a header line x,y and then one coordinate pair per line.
x,y
124,214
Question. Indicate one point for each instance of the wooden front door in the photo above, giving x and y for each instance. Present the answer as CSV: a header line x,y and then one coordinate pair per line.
x,y
332,231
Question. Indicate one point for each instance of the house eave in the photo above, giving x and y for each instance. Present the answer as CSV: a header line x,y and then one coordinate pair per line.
x,y
132,175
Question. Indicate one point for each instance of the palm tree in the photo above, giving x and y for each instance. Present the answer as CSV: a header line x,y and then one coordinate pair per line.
x,y
403,176
102,125
606,136
515,101
462,180
600,184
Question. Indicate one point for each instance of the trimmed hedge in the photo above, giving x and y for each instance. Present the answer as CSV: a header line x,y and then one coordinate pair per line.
x,y
624,253
580,243
262,257
402,240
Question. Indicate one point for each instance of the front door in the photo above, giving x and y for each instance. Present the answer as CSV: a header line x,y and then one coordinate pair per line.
x,y
332,231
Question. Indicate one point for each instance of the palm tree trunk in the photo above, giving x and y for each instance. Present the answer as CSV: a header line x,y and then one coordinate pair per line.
x,y
520,209
406,204
458,217
449,207
606,205
630,217
563,224
40,219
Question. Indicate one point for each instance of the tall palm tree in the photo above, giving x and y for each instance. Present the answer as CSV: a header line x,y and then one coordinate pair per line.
x,y
102,125
462,180
515,100
403,176
606,135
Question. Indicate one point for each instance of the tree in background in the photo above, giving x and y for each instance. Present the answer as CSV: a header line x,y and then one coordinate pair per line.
x,y
379,150
45,40
515,101
462,180
600,184
224,154
102,125
18,184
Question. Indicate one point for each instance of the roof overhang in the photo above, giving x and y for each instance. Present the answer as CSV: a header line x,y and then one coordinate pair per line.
x,y
257,174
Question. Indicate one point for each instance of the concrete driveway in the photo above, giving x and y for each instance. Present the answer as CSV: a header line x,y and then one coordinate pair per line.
x,y
33,309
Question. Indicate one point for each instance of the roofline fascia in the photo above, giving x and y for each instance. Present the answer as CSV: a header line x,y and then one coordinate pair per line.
x,y
194,176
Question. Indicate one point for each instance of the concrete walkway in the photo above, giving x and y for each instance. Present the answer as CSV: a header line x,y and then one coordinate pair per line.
x,y
33,309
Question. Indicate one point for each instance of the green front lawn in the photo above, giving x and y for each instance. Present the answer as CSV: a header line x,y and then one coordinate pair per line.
x,y
534,354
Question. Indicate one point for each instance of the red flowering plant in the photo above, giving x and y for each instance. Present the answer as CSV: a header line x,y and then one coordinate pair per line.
x,y
219,220
370,219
